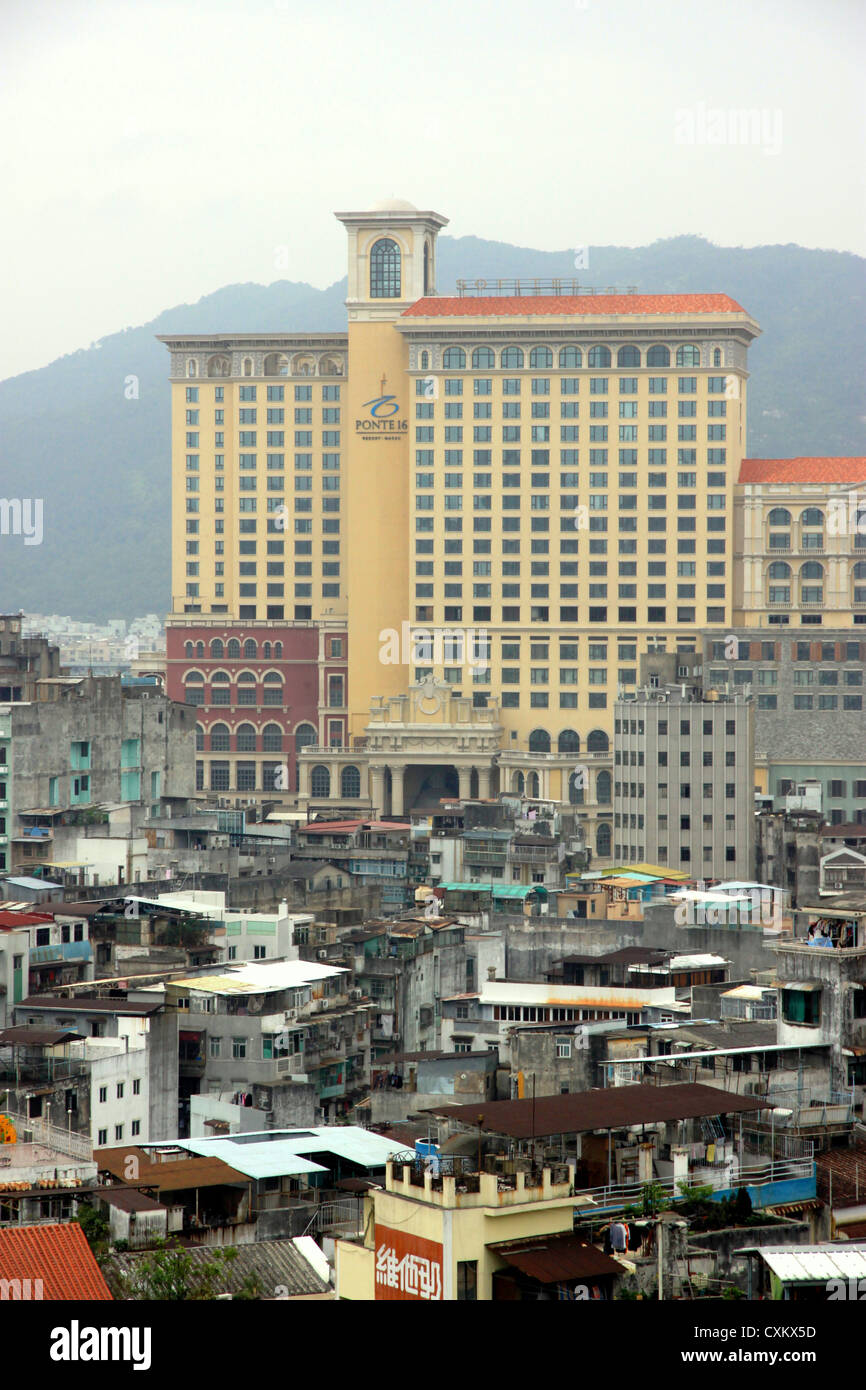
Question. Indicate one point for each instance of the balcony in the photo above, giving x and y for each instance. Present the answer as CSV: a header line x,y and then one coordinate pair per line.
x,y
537,854
768,1184
495,857
62,951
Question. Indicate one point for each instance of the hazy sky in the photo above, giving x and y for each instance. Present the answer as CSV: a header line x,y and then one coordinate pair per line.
x,y
155,150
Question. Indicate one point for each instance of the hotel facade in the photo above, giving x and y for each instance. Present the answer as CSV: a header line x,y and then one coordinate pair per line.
x,y
424,557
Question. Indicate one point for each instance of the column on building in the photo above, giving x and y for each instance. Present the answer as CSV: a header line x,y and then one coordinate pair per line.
x,y
484,783
376,776
397,790
303,777
464,775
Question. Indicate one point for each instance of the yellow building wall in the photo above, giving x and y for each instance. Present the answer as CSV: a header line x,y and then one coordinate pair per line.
x,y
376,495
474,1230
470,1230
355,1271
208,476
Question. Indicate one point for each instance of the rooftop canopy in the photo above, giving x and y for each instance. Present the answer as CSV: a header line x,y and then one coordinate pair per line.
x,y
616,1108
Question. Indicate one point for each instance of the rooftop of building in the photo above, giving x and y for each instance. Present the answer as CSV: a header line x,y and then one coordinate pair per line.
x,y
557,995
57,1255
812,1264
615,1108
344,827
561,305
92,1003
257,977
293,1265
182,1173
277,1152
803,470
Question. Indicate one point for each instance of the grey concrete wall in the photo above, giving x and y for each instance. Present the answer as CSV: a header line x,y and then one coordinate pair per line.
x,y
534,1054
284,1222
100,712
294,1105
837,972
723,1244
743,947
162,1071
535,944
706,999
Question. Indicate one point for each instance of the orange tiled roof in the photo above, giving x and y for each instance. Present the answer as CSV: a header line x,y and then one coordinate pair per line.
x,y
58,1255
803,470
482,306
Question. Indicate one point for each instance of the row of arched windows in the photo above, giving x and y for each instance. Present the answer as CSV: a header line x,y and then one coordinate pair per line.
x,y
272,737
810,516
275,364
527,784
568,741
233,650
810,576
226,677
246,738
484,358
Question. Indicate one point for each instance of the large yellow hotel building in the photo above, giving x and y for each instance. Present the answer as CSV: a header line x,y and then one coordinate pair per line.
x,y
537,479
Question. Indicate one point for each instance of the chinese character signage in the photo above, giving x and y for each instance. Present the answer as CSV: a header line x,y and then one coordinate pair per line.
x,y
407,1267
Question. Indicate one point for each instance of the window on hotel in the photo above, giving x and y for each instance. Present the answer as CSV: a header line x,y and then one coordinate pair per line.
x,y
385,269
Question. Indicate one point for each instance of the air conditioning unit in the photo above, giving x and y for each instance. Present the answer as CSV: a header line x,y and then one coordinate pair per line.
x,y
323,955
356,994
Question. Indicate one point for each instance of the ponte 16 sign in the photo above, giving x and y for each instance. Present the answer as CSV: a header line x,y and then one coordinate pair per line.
x,y
408,1268
379,419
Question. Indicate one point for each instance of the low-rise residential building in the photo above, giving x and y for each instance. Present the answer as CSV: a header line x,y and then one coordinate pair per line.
x,y
821,973
132,1071
258,1029
622,1137
480,1018
83,743
440,1238
370,851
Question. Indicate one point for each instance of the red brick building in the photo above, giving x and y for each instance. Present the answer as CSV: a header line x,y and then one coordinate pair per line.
x,y
262,691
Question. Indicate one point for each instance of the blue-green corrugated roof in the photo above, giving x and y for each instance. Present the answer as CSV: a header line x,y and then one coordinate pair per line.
x,y
498,890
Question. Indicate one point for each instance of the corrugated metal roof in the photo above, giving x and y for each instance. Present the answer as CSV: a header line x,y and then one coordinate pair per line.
x,y
27,882
175,1175
554,1259
91,1003
277,1264
616,1108
810,1264
256,978
25,1036
128,1199
276,1152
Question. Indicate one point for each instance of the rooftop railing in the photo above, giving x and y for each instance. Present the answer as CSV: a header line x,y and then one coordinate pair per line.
x,y
533,286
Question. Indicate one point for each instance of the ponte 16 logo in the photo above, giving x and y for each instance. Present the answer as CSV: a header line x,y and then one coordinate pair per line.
x,y
379,420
